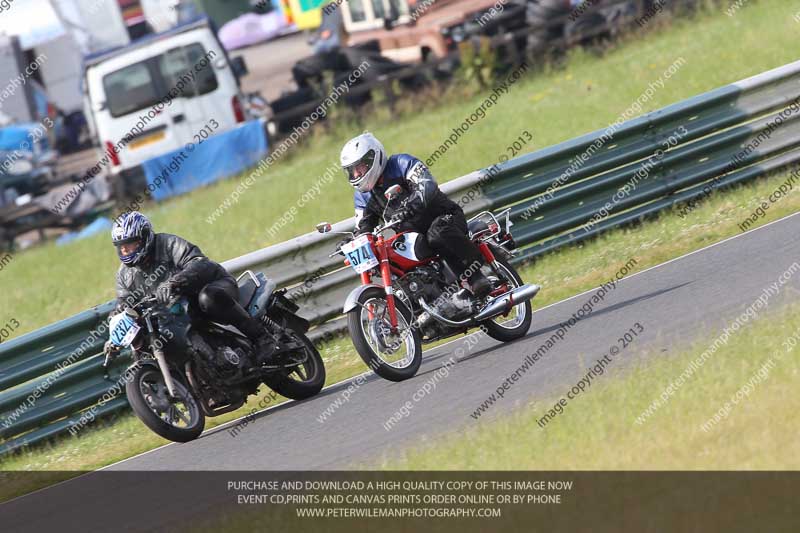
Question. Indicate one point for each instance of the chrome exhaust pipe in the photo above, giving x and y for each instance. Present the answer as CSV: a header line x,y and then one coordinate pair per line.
x,y
505,302
498,306
443,320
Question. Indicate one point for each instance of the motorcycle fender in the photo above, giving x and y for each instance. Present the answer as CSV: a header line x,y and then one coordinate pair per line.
x,y
136,364
286,319
499,251
352,298
143,362
176,375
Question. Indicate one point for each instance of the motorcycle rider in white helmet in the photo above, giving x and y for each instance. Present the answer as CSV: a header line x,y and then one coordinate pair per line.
x,y
422,206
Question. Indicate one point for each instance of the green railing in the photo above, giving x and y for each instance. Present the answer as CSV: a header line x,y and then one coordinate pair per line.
x,y
558,195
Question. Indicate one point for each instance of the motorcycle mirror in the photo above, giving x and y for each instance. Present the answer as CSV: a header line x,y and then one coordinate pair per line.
x,y
323,227
392,192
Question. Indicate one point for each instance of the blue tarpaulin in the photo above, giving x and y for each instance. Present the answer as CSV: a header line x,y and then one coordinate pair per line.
x,y
100,225
17,137
218,157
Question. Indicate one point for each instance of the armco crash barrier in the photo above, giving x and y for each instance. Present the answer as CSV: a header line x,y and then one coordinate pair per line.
x,y
558,195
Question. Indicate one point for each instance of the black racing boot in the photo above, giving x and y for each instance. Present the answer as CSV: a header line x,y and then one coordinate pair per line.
x,y
461,304
264,343
480,284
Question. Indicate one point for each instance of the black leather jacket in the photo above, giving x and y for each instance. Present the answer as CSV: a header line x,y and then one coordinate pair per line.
x,y
171,258
418,204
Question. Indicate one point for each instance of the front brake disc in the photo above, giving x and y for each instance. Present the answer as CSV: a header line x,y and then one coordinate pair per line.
x,y
381,333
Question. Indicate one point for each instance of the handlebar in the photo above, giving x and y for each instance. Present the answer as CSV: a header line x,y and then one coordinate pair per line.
x,y
390,224
377,230
147,301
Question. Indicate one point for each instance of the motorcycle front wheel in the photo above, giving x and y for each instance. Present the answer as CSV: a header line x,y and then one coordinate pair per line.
x,y
393,356
179,420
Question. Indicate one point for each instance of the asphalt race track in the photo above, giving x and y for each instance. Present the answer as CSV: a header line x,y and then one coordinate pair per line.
x,y
692,296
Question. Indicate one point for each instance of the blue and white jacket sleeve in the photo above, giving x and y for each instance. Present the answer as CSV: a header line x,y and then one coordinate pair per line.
x,y
366,220
420,183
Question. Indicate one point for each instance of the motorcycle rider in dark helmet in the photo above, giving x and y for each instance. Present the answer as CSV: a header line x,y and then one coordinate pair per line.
x,y
168,266
422,206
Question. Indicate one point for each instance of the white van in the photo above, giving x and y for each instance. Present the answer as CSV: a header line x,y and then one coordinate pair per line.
x,y
156,94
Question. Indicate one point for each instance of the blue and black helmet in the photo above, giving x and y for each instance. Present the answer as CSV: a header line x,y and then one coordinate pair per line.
x,y
129,228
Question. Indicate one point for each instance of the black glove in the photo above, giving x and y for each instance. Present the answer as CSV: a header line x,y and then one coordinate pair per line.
x,y
404,213
165,292
110,350
408,209
342,243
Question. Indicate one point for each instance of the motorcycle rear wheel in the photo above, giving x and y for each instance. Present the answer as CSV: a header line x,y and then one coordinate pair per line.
x,y
503,328
301,381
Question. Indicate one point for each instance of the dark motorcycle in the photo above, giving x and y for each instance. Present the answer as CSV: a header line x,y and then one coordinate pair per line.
x,y
412,301
187,367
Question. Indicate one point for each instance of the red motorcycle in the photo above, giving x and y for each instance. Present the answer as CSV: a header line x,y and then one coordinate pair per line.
x,y
407,296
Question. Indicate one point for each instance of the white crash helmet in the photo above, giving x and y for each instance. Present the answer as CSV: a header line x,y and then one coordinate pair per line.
x,y
367,150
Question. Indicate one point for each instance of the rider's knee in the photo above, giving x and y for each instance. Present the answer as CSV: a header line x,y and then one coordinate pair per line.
x,y
211,297
436,236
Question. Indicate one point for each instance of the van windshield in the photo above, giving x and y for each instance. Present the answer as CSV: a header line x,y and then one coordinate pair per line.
x,y
185,71
130,89
188,70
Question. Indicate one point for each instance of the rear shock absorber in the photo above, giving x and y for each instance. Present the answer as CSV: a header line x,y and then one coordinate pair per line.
x,y
273,328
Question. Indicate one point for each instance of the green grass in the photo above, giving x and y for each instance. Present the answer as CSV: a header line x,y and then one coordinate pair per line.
x,y
43,290
49,283
597,430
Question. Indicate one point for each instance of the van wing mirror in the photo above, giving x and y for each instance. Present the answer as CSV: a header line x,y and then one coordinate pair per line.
x,y
239,67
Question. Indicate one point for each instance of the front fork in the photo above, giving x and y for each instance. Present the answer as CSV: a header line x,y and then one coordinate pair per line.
x,y
386,274
162,360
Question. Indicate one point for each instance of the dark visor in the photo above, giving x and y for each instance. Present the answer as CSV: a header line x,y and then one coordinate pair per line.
x,y
127,241
367,160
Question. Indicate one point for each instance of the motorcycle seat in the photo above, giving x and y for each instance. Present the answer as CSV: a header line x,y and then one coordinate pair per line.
x,y
247,289
476,226
262,298
255,298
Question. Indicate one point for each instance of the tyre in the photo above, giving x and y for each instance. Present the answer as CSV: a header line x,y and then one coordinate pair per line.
x,y
395,357
303,380
516,323
545,10
546,27
179,421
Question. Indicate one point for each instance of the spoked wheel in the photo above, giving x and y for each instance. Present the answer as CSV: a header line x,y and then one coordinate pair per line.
x,y
178,419
517,321
304,375
395,356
